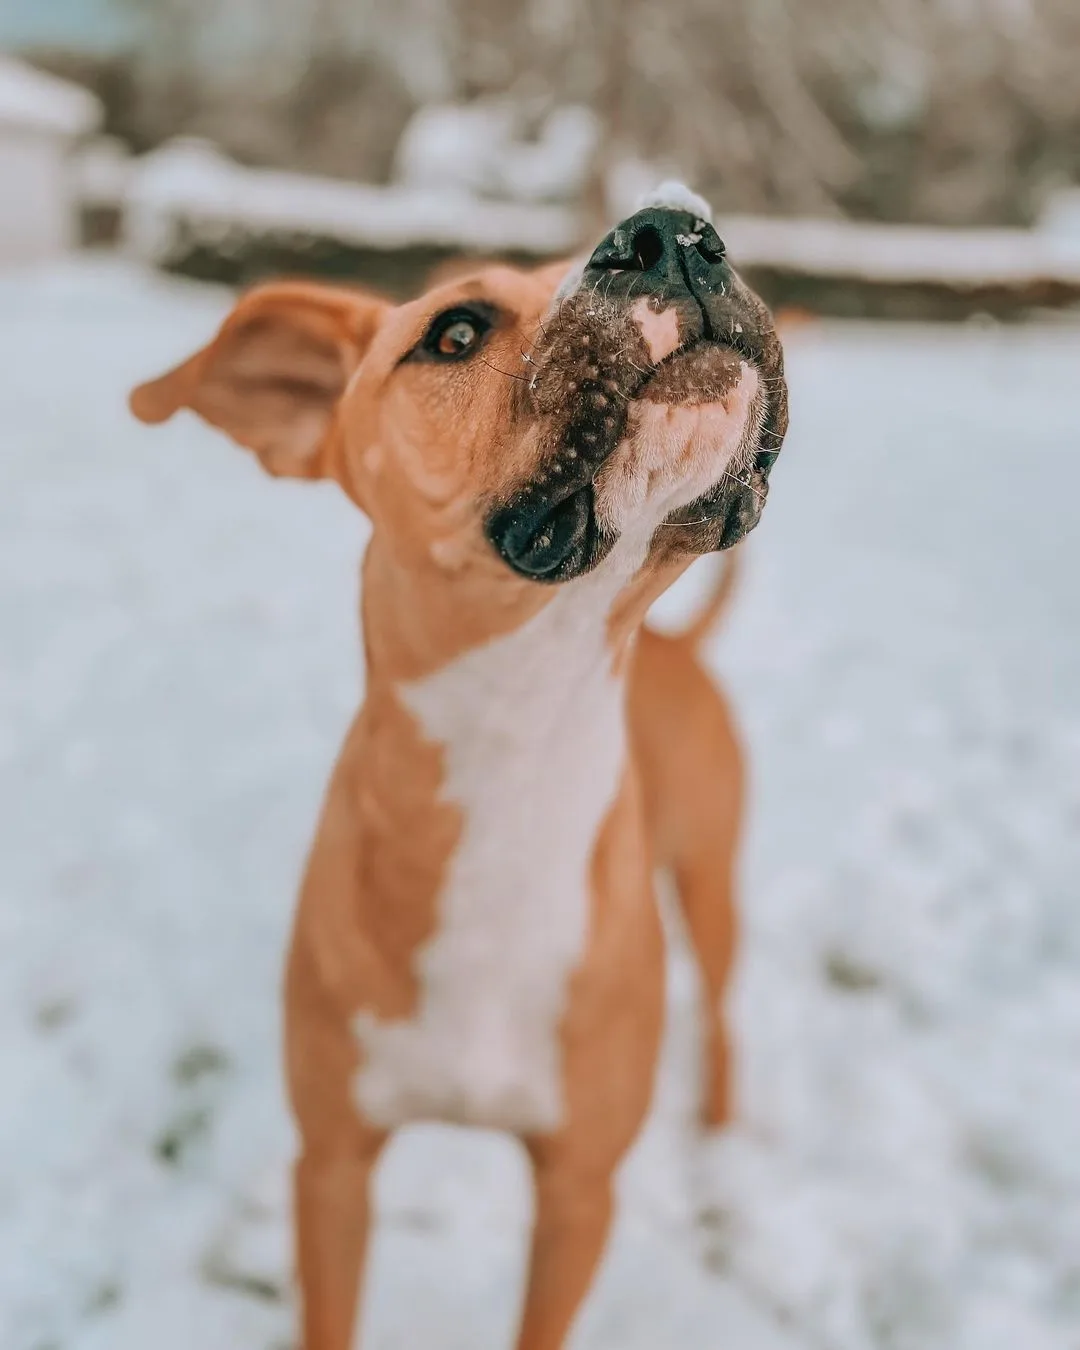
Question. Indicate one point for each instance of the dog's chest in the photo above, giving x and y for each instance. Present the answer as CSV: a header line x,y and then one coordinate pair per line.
x,y
533,726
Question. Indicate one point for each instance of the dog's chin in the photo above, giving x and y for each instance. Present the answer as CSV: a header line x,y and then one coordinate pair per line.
x,y
692,427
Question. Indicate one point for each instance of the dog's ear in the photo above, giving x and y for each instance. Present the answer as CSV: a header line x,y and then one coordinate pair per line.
x,y
272,377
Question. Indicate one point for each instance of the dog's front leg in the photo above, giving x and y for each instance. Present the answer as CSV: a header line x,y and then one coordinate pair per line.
x,y
332,1209
338,1153
572,1218
611,1039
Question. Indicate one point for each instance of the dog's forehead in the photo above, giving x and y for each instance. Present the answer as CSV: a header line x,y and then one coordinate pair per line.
x,y
502,287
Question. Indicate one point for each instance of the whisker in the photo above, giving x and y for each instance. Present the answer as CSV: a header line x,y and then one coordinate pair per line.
x,y
521,333
707,520
758,496
509,374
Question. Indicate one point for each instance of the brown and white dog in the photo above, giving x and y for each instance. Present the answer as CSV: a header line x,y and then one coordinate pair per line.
x,y
540,454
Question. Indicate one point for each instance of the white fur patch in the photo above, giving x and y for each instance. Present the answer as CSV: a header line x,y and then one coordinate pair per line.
x,y
534,729
660,329
674,453
677,197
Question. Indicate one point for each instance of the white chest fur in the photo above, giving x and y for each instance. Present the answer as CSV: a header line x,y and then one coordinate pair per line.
x,y
534,730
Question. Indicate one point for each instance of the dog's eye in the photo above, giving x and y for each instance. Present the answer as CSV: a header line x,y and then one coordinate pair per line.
x,y
454,335
457,338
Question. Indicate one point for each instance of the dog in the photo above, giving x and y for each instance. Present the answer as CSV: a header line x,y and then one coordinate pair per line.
x,y
540,454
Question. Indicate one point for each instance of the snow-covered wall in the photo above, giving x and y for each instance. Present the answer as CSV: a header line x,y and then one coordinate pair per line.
x,y
38,219
41,119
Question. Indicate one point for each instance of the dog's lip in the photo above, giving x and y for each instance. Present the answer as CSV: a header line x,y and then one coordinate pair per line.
x,y
683,353
703,341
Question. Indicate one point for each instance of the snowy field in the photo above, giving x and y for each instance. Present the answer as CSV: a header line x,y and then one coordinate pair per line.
x,y
179,661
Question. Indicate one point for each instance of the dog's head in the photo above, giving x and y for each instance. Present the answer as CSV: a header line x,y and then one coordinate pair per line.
x,y
517,422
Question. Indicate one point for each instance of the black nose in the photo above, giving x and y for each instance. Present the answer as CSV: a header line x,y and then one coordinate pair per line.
x,y
669,247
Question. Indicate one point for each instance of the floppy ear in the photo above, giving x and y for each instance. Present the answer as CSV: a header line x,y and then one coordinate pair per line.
x,y
272,377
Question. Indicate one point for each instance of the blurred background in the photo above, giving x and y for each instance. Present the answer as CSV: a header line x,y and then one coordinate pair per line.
x,y
901,180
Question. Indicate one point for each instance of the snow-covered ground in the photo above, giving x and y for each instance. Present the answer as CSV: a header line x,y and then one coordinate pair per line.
x,y
179,660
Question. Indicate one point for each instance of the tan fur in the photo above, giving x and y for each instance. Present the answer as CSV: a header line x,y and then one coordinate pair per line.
x,y
311,380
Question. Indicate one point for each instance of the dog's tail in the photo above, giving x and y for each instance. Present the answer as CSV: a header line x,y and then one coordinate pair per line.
x,y
713,609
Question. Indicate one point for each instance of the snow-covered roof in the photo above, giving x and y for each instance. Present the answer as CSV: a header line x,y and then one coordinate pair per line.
x,y
30,98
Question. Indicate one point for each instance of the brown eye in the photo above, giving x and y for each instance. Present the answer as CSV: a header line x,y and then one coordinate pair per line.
x,y
461,336
454,335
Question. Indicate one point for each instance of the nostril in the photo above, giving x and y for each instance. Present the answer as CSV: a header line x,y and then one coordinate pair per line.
x,y
634,246
710,245
648,248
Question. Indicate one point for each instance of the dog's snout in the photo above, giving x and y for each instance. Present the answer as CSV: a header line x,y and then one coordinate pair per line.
x,y
656,242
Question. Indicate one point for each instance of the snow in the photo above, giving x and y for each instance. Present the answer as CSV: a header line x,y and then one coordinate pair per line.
x,y
180,661
1061,215
101,171
479,148
677,196
467,181
189,184
905,254
30,99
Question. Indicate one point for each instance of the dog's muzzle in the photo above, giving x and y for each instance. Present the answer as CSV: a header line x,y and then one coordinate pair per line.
x,y
658,285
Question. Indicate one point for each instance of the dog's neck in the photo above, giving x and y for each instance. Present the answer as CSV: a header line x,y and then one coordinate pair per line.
x,y
490,702
419,621
493,736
